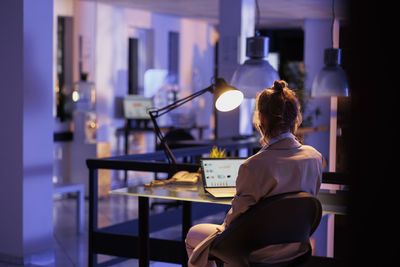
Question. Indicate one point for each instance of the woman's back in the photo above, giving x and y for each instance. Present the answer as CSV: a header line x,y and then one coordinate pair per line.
x,y
289,165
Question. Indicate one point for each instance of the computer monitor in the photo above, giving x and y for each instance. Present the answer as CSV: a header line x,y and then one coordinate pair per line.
x,y
137,107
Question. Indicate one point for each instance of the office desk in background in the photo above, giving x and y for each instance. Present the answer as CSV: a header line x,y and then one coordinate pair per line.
x,y
331,203
126,131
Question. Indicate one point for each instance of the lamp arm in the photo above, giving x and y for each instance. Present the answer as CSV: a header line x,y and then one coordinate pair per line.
x,y
180,102
167,150
154,114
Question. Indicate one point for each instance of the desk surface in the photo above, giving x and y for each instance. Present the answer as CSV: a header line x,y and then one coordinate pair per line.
x,y
331,202
193,193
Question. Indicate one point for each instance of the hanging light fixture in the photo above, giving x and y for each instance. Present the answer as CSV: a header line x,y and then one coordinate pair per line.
x,y
256,73
331,80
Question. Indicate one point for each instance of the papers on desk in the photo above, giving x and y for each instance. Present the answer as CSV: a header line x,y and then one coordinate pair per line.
x,y
182,177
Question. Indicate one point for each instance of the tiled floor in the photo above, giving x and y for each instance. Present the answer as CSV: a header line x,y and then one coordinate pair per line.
x,y
71,249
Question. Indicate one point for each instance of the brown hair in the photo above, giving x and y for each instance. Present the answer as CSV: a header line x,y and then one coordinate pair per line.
x,y
281,110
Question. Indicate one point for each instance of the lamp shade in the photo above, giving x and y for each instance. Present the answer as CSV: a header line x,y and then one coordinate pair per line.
x,y
331,80
226,97
255,74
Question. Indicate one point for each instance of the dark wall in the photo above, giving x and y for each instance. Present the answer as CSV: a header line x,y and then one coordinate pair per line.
x,y
373,76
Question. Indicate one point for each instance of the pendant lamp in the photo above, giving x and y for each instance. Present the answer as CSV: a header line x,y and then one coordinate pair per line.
x,y
331,80
256,73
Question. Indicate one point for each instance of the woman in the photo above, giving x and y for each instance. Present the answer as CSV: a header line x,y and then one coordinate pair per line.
x,y
282,165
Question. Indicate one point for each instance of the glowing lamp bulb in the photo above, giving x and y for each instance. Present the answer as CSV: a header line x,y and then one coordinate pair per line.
x,y
229,100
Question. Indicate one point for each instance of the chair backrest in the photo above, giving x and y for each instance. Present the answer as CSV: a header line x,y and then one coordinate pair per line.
x,y
284,218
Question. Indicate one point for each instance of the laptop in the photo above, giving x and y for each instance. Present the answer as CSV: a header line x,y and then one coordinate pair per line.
x,y
219,175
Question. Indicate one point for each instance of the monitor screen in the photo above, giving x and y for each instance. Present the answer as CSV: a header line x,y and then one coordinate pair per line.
x,y
137,107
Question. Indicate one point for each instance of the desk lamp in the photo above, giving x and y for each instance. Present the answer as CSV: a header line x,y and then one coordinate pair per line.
x,y
226,99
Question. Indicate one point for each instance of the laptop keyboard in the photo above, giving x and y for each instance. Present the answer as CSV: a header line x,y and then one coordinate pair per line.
x,y
223,190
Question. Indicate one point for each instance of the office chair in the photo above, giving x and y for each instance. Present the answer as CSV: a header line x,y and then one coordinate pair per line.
x,y
284,218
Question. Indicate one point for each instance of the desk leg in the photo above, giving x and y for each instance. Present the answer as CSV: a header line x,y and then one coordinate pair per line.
x,y
80,207
186,224
93,197
144,258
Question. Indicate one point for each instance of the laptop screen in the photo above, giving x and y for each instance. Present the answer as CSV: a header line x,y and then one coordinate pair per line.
x,y
220,172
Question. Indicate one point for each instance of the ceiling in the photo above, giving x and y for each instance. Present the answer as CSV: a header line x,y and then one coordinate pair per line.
x,y
273,13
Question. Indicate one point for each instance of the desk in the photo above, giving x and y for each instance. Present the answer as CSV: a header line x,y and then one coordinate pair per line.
x,y
122,240
80,203
331,203
118,239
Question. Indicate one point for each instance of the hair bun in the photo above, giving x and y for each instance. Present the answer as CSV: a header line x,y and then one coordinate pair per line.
x,y
279,85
